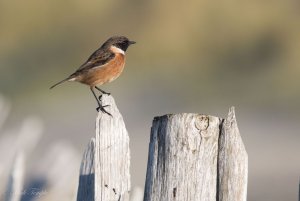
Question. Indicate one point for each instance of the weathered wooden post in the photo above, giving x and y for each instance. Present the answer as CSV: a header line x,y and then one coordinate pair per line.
x,y
104,173
196,157
232,162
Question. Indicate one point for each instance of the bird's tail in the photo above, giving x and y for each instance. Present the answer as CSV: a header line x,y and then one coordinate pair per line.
x,y
60,82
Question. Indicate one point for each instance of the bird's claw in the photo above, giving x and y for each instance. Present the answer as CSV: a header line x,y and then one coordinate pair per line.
x,y
101,108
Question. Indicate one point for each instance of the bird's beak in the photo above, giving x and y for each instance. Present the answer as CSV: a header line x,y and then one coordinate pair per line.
x,y
132,42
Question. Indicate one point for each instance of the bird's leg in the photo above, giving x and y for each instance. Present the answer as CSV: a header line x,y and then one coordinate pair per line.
x,y
100,107
102,90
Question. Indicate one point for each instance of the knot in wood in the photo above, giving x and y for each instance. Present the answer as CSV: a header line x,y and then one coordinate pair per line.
x,y
202,123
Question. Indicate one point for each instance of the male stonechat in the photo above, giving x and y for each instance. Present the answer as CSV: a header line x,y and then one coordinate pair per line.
x,y
103,66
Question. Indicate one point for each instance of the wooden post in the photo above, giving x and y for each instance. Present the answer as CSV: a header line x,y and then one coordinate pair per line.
x,y
233,162
184,161
107,159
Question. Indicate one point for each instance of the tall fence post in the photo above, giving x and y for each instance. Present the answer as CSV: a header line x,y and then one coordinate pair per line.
x,y
105,165
196,157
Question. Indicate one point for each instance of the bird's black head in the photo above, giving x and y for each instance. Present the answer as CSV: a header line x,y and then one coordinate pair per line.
x,y
118,41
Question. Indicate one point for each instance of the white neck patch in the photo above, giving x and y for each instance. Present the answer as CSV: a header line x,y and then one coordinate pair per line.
x,y
116,50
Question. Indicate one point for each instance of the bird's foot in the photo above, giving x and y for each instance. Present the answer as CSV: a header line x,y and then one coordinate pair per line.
x,y
102,109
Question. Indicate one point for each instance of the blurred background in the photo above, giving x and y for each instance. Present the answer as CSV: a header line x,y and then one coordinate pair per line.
x,y
196,56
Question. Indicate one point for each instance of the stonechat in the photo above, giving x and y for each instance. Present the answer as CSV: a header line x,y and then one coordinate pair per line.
x,y
103,66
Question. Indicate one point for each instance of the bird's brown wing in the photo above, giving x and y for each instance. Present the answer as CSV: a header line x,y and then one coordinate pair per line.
x,y
96,60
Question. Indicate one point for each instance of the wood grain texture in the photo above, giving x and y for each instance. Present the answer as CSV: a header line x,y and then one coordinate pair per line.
x,y
196,157
104,172
232,162
182,162
112,156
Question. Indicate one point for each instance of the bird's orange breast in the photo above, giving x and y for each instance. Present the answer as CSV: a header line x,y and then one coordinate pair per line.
x,y
104,74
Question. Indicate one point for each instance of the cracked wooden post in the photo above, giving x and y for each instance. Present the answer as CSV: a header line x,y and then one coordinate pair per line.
x,y
184,161
233,162
107,159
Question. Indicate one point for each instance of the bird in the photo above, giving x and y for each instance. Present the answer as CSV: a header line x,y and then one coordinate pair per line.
x,y
103,66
